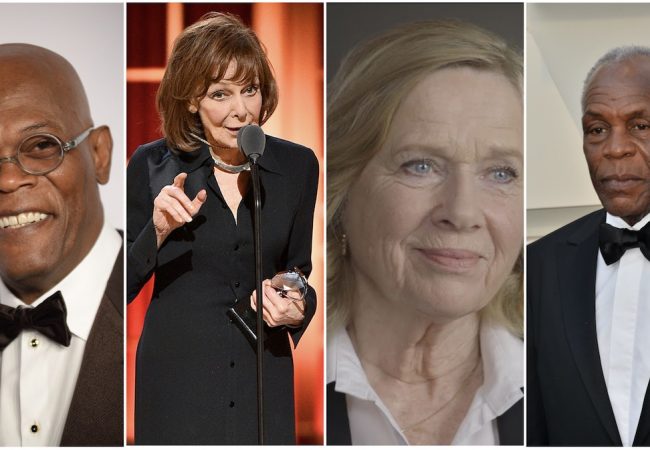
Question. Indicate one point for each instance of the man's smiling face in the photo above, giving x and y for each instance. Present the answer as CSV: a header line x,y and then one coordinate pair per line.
x,y
40,93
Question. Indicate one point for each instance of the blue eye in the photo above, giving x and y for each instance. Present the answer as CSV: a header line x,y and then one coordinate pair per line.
x,y
503,175
419,168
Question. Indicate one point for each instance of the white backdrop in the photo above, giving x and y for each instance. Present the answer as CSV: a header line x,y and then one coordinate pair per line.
x,y
563,43
91,37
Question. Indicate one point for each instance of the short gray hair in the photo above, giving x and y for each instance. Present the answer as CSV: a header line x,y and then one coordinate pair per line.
x,y
615,55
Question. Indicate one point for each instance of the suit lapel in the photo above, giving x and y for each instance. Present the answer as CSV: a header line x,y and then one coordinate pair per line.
x,y
511,425
338,424
577,259
95,417
641,438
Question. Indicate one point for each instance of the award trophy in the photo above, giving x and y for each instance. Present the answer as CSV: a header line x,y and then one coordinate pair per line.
x,y
290,284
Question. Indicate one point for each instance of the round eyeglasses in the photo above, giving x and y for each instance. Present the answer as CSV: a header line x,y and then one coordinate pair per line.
x,y
42,153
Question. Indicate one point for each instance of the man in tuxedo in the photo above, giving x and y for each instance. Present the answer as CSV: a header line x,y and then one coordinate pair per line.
x,y
589,282
61,265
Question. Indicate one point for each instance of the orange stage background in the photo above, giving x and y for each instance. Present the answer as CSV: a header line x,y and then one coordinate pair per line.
x,y
292,34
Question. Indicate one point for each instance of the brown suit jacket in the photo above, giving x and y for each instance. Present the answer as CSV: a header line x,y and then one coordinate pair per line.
x,y
96,415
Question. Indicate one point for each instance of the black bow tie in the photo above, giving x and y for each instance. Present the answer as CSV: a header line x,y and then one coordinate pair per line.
x,y
614,242
47,318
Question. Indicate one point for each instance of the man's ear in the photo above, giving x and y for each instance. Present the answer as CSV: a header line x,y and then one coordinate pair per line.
x,y
101,148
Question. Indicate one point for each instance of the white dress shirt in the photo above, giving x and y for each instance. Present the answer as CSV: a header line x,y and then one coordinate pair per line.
x,y
622,312
371,423
38,376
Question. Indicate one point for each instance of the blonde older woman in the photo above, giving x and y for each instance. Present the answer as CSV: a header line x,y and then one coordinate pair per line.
x,y
425,230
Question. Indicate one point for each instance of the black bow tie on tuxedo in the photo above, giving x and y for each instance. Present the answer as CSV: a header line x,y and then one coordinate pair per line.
x,y
614,242
47,318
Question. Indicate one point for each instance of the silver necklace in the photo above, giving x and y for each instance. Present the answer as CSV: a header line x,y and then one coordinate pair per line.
x,y
220,163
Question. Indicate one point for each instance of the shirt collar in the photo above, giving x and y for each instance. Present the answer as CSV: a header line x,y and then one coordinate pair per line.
x,y
502,357
344,367
501,354
268,160
191,161
83,288
620,223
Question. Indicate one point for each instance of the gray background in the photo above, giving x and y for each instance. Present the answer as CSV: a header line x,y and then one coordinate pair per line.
x,y
91,37
351,23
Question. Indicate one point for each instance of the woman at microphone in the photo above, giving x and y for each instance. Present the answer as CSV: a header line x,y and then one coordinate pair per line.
x,y
190,224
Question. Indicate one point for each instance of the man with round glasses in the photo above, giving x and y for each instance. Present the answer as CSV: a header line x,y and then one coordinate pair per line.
x,y
61,265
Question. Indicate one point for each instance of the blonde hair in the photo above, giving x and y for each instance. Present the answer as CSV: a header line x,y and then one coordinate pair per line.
x,y
363,98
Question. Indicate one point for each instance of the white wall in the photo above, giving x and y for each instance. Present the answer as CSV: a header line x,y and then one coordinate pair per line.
x,y
91,37
563,43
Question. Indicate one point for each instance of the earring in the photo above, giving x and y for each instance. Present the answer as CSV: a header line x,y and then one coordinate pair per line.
x,y
193,109
344,244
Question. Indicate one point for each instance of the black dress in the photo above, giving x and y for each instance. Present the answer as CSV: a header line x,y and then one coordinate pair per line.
x,y
195,371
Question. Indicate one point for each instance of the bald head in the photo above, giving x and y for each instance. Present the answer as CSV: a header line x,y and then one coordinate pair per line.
x,y
29,69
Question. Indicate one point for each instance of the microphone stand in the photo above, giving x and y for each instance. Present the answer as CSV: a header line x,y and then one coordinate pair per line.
x,y
260,296
251,141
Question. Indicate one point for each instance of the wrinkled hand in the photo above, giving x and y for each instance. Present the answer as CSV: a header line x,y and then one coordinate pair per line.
x,y
172,208
279,311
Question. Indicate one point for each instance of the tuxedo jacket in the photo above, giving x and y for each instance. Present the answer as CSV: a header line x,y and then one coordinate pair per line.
x,y
567,399
510,425
96,414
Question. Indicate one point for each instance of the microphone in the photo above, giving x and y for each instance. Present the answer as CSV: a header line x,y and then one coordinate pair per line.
x,y
251,141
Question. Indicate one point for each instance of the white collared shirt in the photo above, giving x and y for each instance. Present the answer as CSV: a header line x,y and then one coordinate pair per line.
x,y
371,423
622,312
37,375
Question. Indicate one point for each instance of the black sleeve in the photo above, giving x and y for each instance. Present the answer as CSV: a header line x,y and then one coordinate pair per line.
x,y
140,234
536,432
299,248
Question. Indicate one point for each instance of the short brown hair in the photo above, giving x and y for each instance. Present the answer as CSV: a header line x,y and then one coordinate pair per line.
x,y
201,55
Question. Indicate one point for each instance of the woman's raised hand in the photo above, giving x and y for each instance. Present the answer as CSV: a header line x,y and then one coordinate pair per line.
x,y
172,208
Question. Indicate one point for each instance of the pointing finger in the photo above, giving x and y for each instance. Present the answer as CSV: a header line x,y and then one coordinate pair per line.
x,y
179,180
166,207
198,201
176,195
